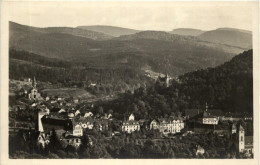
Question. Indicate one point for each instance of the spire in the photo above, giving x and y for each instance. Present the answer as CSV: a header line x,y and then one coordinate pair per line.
x,y
34,83
241,128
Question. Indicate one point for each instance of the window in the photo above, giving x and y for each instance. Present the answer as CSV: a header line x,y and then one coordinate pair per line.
x,y
241,138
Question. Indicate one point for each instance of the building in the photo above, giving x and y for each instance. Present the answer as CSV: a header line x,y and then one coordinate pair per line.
x,y
130,125
200,150
249,145
154,124
241,138
77,130
233,128
244,143
86,123
164,81
209,119
72,140
171,125
248,116
131,117
39,115
43,139
191,114
234,117
34,95
88,114
211,116
76,101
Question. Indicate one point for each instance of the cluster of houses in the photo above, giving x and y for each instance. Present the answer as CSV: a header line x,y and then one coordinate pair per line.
x,y
69,121
216,121
166,126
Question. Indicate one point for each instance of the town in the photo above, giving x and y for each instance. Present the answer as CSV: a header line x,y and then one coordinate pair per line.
x,y
47,123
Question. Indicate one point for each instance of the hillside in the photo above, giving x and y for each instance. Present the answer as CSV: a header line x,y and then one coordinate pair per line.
x,y
229,36
17,29
157,35
126,55
109,30
228,87
238,30
181,39
187,31
160,51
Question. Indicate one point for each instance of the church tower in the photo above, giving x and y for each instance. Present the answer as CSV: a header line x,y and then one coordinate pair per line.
x,y
34,95
38,125
206,107
167,80
241,138
34,83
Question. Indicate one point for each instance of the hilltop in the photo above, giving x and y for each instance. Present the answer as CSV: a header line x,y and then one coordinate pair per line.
x,y
187,31
18,29
229,36
109,30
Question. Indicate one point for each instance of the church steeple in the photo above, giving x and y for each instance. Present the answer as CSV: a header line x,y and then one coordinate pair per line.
x,y
34,83
206,107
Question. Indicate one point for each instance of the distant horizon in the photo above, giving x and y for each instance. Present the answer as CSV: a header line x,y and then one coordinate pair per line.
x,y
159,16
131,28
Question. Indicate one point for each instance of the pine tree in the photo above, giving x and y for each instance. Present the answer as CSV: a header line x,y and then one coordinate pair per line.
x,y
54,142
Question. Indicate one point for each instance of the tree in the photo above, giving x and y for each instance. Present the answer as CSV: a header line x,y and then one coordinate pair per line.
x,y
54,142
100,110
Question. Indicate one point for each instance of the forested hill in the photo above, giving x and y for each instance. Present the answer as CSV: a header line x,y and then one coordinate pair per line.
x,y
228,86
153,50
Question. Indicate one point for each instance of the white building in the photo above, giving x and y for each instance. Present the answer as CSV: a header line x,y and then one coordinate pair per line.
x,y
34,95
88,114
130,125
209,119
241,139
166,126
77,130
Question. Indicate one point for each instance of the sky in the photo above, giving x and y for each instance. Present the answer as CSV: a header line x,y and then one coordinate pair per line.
x,y
163,16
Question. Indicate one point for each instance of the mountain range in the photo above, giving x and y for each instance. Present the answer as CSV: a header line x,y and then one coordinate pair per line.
x,y
109,47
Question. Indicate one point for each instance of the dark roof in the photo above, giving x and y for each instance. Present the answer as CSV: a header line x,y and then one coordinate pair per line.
x,y
215,112
234,115
192,113
202,126
57,124
163,120
162,79
175,118
72,137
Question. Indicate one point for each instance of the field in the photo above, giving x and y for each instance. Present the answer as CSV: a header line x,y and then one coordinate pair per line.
x,y
80,93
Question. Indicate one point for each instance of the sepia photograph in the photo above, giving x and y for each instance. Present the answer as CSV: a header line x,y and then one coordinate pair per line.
x,y
131,80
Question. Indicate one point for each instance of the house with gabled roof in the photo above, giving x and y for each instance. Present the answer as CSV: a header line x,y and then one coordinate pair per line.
x,y
208,118
168,125
130,125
